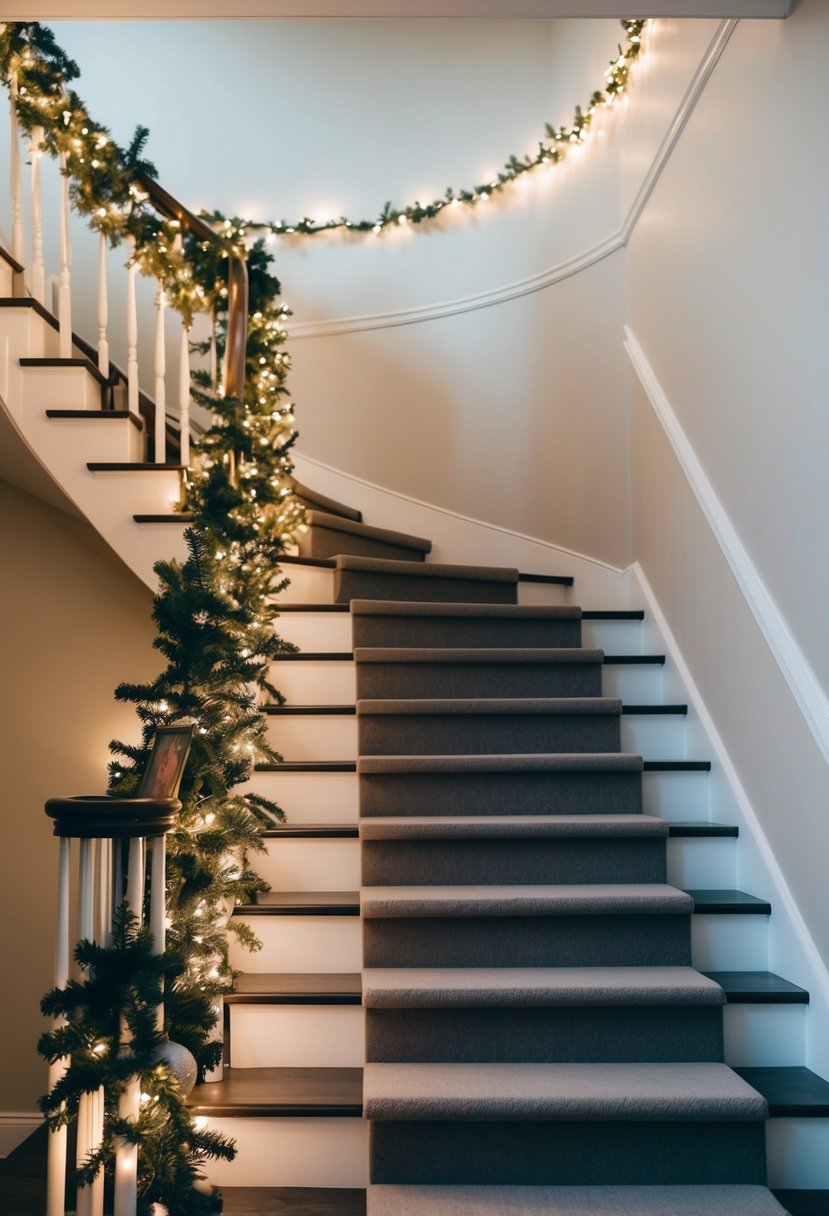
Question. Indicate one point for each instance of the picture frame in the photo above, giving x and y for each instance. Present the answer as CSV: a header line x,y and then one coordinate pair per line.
x,y
162,776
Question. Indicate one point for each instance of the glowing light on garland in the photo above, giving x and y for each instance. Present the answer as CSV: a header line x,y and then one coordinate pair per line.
x,y
551,149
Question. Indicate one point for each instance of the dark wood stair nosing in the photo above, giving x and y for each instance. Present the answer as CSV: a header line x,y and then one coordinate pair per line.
x,y
315,656
175,517
17,268
105,415
793,1090
312,831
80,361
678,710
308,710
313,607
677,766
796,1201
629,660
614,614
127,466
724,900
560,580
690,829
758,987
308,766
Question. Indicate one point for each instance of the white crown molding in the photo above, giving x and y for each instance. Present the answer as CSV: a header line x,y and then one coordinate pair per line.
x,y
562,270
794,666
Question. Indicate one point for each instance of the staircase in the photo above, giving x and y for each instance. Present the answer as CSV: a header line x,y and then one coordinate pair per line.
x,y
532,1012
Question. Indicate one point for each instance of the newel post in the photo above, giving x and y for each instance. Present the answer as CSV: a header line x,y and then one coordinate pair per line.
x,y
107,831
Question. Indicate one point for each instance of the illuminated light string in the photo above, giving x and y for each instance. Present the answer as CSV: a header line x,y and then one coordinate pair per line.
x,y
104,186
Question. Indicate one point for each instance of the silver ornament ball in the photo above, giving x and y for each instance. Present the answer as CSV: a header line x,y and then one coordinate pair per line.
x,y
179,1061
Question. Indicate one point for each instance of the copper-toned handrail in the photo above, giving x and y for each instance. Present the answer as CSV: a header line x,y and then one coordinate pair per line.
x,y
237,293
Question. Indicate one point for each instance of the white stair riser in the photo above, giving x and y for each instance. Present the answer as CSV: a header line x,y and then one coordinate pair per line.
x,y
310,797
702,862
763,1035
729,942
6,279
654,736
66,444
144,493
797,1153
316,630
293,1152
310,865
308,585
313,736
297,1036
302,943
30,337
315,681
676,796
633,682
613,637
60,388
544,593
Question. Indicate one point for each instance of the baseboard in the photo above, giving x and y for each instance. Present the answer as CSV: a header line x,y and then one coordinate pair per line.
x,y
15,1126
790,939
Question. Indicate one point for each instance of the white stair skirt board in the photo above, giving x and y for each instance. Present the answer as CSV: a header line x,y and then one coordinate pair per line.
x,y
310,797
297,943
310,865
301,1036
700,862
676,796
762,1035
797,1153
308,585
729,941
293,1152
654,736
315,682
633,682
614,637
313,736
316,630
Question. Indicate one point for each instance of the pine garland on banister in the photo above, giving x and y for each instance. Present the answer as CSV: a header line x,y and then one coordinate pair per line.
x,y
215,617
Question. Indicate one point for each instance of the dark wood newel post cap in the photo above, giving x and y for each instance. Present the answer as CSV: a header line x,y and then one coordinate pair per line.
x,y
97,815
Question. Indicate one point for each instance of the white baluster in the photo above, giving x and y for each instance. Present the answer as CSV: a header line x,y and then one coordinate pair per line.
x,y
56,1170
86,921
184,395
38,272
65,255
160,373
103,307
126,1155
17,195
132,339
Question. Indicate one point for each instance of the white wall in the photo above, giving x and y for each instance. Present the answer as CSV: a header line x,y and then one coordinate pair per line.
x,y
727,275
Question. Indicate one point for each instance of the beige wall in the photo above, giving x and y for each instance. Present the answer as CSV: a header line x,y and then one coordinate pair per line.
x,y
73,622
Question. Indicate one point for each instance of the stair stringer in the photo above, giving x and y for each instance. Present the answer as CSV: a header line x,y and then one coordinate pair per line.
x,y
798,1150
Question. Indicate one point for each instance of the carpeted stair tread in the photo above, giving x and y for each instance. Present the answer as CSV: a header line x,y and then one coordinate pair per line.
x,y
568,762
445,827
500,987
434,570
571,1201
490,705
578,899
557,1092
489,654
496,611
320,502
353,527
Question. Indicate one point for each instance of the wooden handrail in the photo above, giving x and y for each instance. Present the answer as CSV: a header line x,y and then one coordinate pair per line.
x,y
237,294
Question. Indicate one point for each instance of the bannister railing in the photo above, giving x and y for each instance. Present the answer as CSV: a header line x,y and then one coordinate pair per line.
x,y
151,408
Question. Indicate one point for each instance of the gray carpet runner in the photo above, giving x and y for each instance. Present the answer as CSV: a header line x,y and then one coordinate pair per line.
x,y
538,1043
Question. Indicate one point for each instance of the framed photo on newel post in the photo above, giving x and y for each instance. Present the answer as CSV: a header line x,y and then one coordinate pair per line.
x,y
166,763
